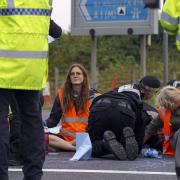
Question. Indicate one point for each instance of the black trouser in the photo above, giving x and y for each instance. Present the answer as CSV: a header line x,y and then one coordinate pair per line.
x,y
15,127
32,134
109,118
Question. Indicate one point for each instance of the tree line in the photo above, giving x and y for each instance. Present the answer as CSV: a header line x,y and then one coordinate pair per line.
x,y
118,57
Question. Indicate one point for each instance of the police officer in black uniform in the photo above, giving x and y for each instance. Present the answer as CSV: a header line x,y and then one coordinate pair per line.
x,y
115,123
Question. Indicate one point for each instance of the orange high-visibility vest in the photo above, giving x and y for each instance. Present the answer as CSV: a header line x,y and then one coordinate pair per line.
x,y
71,122
165,116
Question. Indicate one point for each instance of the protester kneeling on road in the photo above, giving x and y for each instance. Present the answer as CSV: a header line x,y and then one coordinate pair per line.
x,y
115,123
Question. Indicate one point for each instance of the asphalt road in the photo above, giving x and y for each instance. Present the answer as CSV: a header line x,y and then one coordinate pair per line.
x,y
57,166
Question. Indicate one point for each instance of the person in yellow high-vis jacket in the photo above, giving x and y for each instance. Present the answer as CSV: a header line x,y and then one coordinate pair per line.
x,y
170,19
23,72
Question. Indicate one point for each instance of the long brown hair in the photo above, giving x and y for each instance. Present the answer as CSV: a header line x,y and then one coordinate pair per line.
x,y
67,90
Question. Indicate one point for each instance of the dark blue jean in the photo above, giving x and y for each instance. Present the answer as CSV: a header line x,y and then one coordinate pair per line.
x,y
32,133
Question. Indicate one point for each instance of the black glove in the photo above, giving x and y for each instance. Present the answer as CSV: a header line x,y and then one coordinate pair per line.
x,y
55,31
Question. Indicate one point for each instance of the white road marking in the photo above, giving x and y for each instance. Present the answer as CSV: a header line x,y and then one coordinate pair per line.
x,y
102,171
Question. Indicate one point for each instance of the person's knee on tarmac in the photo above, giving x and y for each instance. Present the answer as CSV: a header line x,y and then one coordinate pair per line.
x,y
131,144
125,150
114,146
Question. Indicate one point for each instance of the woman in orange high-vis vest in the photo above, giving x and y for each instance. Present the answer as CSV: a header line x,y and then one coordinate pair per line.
x,y
169,120
168,117
71,107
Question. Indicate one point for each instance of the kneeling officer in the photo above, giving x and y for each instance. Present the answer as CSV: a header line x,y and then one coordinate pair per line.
x,y
115,123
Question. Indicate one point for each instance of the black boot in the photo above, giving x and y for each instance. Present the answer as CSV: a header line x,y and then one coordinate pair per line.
x,y
115,147
131,145
14,159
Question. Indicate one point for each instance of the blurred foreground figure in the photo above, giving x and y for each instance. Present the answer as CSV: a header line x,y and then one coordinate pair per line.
x,y
23,72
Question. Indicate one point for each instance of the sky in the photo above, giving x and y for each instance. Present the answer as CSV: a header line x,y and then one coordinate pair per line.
x,y
61,13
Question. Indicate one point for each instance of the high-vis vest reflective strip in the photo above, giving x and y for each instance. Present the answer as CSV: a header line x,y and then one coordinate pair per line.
x,y
165,116
71,122
171,23
24,43
170,18
23,54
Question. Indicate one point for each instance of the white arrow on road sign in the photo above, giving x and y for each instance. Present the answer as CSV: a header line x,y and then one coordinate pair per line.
x,y
84,9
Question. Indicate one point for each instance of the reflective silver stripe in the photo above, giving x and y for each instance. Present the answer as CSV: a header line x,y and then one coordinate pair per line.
x,y
178,37
93,96
75,120
68,133
164,150
166,137
170,31
169,19
10,4
149,88
23,54
162,110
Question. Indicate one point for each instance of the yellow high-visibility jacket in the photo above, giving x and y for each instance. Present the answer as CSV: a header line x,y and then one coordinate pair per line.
x,y
24,27
170,19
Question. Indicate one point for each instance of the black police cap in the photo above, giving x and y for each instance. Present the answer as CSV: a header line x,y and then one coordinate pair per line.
x,y
150,83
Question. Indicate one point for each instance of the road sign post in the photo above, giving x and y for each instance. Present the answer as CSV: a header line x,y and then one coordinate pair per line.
x,y
93,59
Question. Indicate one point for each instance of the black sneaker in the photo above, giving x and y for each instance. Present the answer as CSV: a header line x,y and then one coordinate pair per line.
x,y
115,147
130,143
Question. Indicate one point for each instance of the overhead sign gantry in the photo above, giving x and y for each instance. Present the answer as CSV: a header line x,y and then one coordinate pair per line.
x,y
113,17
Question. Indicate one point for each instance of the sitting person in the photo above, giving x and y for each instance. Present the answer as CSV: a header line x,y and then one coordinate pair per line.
x,y
115,123
156,140
168,120
71,107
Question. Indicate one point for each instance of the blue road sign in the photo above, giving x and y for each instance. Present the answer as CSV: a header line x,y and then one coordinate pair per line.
x,y
113,10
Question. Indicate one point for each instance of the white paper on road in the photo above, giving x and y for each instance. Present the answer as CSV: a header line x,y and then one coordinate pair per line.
x,y
83,147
